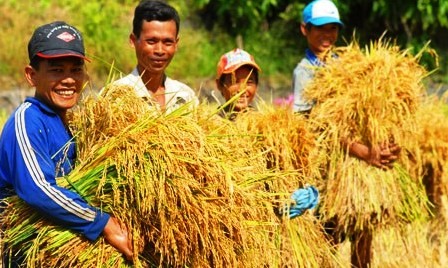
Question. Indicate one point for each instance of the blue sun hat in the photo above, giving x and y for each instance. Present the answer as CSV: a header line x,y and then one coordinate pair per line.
x,y
320,12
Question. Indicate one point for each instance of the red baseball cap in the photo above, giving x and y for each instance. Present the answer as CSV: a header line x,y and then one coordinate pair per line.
x,y
233,60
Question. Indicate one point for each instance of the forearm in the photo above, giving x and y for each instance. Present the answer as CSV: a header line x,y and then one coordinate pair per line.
x,y
60,205
358,150
377,156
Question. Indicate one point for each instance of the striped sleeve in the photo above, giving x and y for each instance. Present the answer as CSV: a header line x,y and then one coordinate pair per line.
x,y
36,181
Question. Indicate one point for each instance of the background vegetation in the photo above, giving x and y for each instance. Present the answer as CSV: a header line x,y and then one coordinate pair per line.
x,y
266,28
269,30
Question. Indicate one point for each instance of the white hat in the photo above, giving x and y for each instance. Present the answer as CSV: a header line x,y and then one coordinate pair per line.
x,y
320,12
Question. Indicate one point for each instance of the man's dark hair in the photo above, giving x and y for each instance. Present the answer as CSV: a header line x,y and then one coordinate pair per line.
x,y
150,10
35,62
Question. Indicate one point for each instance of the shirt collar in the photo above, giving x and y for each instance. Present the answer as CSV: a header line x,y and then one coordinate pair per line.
x,y
315,61
40,104
313,58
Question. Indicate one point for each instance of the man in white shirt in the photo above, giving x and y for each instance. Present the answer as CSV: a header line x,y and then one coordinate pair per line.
x,y
155,38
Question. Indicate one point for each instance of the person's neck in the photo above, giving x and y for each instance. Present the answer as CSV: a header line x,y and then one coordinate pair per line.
x,y
323,55
63,116
154,82
317,58
62,113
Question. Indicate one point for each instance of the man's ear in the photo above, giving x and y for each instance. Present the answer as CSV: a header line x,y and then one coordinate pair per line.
x,y
30,75
221,87
303,28
177,43
132,39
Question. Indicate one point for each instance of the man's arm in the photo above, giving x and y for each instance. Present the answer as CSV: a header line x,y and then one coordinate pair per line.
x,y
32,171
33,174
382,156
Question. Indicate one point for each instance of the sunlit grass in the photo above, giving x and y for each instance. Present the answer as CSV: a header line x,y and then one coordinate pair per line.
x,y
3,117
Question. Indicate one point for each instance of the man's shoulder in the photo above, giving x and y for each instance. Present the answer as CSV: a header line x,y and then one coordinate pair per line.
x,y
31,108
179,89
304,66
178,94
28,115
130,79
172,85
304,63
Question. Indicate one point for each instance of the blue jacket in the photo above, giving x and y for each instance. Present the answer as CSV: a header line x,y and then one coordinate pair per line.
x,y
35,148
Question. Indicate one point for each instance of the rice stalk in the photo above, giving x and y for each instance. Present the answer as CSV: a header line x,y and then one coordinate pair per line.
x,y
432,118
369,96
189,199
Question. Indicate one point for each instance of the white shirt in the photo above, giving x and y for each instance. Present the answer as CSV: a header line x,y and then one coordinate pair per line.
x,y
176,93
302,75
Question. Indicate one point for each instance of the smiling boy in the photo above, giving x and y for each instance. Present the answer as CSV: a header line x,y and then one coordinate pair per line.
x,y
237,73
320,26
36,145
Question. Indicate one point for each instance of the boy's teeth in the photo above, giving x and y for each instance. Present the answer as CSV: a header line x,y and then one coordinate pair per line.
x,y
66,92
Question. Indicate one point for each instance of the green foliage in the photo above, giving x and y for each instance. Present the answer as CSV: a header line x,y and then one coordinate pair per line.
x,y
413,15
197,55
266,28
110,27
231,15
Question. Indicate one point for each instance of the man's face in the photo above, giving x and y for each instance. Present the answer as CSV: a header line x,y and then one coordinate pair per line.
x,y
58,81
321,38
156,46
243,79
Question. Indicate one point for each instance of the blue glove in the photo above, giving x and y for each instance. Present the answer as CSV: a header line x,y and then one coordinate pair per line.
x,y
304,198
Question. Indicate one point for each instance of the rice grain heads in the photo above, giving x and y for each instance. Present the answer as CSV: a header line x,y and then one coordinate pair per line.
x,y
369,96
189,195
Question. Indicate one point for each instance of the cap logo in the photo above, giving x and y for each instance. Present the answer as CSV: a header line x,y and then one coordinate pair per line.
x,y
66,37
67,28
236,58
328,12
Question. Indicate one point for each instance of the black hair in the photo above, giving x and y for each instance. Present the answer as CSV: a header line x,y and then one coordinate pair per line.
x,y
35,62
309,25
150,10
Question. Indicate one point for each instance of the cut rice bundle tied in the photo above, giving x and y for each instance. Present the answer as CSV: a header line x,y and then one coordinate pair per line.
x,y
368,96
188,198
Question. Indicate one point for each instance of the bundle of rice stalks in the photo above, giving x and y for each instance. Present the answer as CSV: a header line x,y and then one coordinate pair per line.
x,y
368,96
279,137
189,199
433,141
284,135
418,244
284,138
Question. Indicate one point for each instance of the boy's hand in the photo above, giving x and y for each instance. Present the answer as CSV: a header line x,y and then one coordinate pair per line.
x,y
382,156
118,238
304,198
